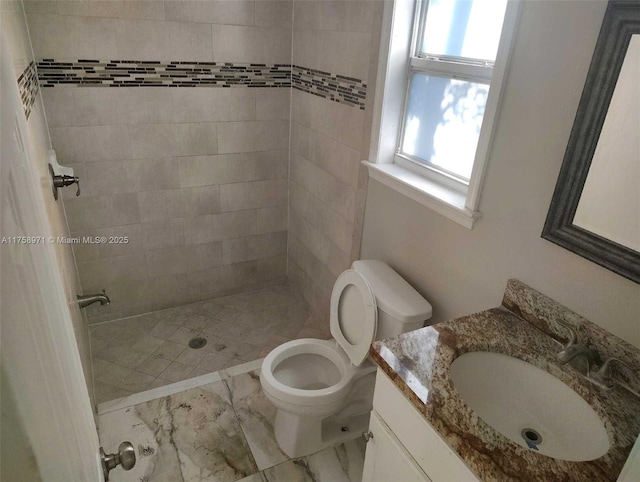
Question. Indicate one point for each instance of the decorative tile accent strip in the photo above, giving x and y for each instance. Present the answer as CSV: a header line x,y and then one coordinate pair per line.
x,y
140,73
338,88
28,87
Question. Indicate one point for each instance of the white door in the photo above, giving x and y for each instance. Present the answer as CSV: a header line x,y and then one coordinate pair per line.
x,y
41,365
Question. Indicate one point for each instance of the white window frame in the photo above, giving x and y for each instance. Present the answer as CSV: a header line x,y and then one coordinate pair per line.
x,y
431,187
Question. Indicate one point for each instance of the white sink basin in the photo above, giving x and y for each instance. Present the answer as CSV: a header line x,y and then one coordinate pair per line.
x,y
529,406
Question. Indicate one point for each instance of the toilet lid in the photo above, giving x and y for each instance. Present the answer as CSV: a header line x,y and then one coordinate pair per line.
x,y
354,315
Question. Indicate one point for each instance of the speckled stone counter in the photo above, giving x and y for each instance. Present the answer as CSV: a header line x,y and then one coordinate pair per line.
x,y
418,364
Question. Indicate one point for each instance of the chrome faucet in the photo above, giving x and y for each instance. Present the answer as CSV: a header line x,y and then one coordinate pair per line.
x,y
86,300
574,349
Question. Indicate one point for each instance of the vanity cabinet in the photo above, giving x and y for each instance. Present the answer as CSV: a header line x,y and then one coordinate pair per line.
x,y
404,447
386,458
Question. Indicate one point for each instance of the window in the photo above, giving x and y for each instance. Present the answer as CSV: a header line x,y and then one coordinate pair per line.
x,y
442,99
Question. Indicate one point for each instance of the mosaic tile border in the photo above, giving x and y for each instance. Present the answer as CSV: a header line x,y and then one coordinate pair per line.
x,y
28,87
337,88
139,73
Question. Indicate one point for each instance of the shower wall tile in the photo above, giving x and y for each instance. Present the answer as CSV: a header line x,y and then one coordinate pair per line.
x,y
162,234
182,259
248,195
239,223
161,140
311,265
320,246
337,195
274,13
198,201
238,12
333,51
142,9
210,105
132,232
336,228
60,109
236,43
346,16
158,205
328,141
254,247
71,37
110,177
91,144
111,106
40,6
113,270
102,211
202,229
271,219
335,157
232,168
273,104
140,39
253,136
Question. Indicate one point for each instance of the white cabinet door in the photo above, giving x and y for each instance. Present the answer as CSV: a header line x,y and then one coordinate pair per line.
x,y
386,460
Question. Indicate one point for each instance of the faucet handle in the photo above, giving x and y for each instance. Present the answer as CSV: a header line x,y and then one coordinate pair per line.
x,y
605,369
603,376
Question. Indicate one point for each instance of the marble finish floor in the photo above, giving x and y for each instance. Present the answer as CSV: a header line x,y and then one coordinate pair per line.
x,y
218,431
142,352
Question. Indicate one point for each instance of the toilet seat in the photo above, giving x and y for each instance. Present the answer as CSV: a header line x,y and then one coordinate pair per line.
x,y
302,396
354,315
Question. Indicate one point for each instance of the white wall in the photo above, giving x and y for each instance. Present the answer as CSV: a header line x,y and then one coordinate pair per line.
x,y
462,271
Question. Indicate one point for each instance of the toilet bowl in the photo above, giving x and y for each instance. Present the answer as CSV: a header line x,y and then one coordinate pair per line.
x,y
323,389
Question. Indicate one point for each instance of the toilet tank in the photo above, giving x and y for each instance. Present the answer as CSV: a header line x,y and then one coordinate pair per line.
x,y
400,307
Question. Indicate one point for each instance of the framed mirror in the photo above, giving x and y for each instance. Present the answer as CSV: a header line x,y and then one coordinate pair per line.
x,y
595,209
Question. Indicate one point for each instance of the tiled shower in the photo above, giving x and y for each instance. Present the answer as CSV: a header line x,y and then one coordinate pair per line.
x,y
221,139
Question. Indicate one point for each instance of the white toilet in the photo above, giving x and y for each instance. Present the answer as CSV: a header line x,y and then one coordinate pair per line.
x,y
323,389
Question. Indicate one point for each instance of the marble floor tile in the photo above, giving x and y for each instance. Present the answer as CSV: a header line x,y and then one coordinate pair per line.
x,y
341,463
291,471
221,430
257,416
257,477
188,436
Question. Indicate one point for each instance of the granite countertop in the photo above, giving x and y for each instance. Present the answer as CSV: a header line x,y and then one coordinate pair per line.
x,y
418,363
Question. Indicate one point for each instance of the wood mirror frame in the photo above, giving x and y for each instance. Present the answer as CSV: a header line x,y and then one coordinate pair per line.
x,y
621,21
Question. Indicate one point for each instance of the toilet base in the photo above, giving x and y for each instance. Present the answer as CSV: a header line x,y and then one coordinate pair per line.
x,y
299,436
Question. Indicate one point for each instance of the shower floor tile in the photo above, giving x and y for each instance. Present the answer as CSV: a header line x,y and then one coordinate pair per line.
x,y
135,354
218,431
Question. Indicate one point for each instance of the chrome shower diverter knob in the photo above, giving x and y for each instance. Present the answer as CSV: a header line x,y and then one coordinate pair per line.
x,y
63,180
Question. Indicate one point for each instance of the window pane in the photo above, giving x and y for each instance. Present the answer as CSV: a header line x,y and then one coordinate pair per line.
x,y
443,122
463,28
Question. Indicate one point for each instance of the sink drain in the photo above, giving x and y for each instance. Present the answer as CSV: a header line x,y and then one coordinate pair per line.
x,y
197,342
531,437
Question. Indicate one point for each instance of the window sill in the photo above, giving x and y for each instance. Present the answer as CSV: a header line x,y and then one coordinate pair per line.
x,y
435,196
